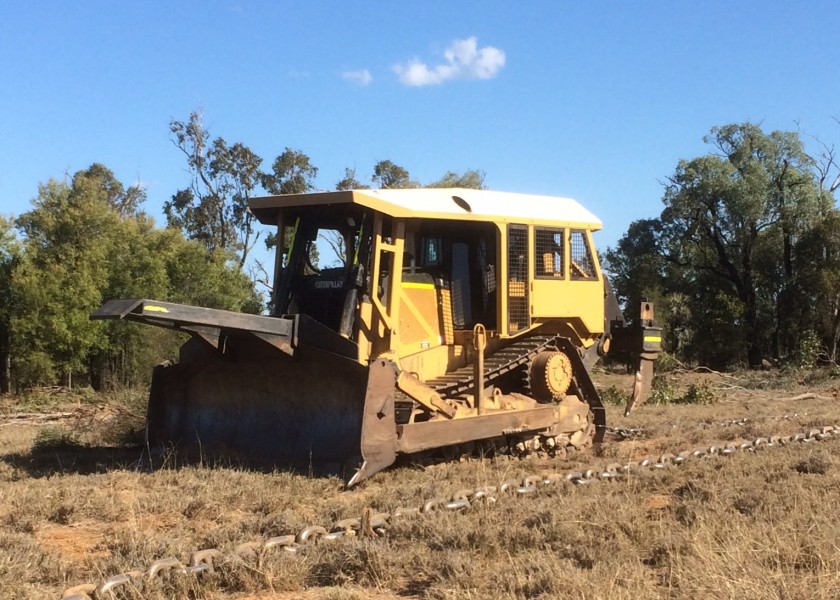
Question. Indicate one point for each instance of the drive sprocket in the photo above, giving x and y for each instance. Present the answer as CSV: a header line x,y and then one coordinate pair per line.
x,y
550,375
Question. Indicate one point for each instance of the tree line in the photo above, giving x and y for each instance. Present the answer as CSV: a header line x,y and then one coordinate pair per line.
x,y
86,240
743,262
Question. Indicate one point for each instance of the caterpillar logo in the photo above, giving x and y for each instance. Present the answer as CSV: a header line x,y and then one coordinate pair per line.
x,y
329,284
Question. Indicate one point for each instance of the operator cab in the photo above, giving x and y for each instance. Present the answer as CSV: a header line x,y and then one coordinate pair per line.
x,y
447,279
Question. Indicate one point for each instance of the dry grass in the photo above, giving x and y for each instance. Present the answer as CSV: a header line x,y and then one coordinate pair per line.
x,y
73,508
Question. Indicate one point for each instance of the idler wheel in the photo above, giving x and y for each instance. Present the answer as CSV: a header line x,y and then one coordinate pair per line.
x,y
551,375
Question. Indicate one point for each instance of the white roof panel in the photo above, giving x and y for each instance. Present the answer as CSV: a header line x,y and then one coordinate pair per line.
x,y
444,203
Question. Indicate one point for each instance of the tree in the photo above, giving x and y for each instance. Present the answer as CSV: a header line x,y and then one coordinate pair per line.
x,y
819,282
81,245
125,201
10,257
386,174
730,214
636,264
69,235
349,181
292,173
471,179
640,273
214,209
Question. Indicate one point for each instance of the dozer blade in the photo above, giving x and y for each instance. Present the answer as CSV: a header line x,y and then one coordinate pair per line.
x,y
263,407
283,391
379,442
208,324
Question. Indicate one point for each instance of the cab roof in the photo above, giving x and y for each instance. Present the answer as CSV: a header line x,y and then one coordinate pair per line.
x,y
457,204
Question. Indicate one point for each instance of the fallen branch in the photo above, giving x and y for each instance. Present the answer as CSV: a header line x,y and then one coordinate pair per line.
x,y
34,418
807,396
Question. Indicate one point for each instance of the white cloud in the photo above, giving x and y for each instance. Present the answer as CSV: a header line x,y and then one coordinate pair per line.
x,y
464,60
362,77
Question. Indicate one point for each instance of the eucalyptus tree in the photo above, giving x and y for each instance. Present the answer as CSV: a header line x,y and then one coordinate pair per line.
x,y
10,257
292,172
472,179
214,208
349,181
819,282
732,216
387,174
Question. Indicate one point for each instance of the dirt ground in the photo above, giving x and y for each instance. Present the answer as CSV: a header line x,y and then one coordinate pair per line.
x,y
75,508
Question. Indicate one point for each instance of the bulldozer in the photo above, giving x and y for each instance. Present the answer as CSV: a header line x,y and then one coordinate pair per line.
x,y
403,322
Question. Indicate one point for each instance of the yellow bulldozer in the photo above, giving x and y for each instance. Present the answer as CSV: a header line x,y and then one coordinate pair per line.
x,y
403,322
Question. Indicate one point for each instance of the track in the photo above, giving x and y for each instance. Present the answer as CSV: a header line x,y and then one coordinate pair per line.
x,y
374,524
512,357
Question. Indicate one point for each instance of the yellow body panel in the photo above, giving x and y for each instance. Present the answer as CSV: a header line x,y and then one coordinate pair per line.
x,y
419,326
556,284
568,300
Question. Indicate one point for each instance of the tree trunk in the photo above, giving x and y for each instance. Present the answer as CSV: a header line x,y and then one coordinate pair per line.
x,y
754,349
5,372
5,360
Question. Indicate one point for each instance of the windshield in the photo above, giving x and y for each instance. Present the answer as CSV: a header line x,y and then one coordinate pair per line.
x,y
322,254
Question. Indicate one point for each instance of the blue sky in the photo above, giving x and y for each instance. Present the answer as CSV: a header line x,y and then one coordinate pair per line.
x,y
593,100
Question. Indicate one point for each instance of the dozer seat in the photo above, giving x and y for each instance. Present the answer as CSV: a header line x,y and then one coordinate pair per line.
x,y
321,296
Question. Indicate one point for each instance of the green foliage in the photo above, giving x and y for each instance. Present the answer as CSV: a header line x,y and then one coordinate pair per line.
x,y
292,173
666,362
10,258
69,235
636,265
740,257
818,284
32,369
662,391
700,393
471,179
386,174
214,209
810,349
54,439
88,242
349,181
614,396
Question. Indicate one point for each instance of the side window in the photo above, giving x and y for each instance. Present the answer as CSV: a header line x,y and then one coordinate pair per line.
x,y
519,315
549,253
581,265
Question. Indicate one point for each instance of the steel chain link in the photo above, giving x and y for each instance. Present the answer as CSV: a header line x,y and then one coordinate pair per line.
x,y
207,560
633,432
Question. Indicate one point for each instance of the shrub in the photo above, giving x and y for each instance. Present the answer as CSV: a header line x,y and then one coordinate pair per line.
x,y
665,362
613,396
697,394
662,391
810,348
55,438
